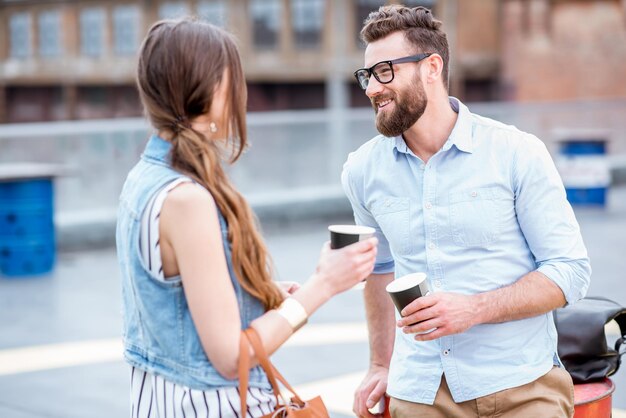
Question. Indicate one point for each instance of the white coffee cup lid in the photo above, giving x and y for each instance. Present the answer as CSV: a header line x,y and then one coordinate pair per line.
x,y
406,282
352,229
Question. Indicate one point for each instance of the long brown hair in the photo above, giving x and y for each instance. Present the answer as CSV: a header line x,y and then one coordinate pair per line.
x,y
180,64
419,26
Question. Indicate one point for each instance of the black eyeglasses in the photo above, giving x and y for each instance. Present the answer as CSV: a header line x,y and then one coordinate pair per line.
x,y
383,71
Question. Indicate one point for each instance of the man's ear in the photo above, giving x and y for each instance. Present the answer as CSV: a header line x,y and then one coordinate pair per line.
x,y
434,66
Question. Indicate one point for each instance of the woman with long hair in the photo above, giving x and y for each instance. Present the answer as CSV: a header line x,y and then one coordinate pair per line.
x,y
195,270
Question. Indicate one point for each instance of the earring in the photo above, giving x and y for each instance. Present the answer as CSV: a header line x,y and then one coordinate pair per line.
x,y
212,127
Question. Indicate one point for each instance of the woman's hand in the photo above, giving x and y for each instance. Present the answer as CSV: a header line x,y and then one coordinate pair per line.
x,y
287,288
340,270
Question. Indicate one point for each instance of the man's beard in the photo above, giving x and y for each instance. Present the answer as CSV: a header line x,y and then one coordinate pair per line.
x,y
408,108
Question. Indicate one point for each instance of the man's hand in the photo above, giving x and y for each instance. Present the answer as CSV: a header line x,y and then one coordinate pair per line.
x,y
370,391
449,313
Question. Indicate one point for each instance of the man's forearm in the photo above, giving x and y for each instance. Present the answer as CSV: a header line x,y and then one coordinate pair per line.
x,y
533,294
380,319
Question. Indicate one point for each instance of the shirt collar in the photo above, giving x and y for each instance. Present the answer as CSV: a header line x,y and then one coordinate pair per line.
x,y
157,149
400,146
461,135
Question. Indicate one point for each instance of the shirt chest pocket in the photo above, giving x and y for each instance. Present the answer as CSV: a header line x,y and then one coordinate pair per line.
x,y
476,216
393,216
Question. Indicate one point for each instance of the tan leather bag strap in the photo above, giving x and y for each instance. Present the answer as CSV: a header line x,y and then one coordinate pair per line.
x,y
270,370
244,370
261,356
280,377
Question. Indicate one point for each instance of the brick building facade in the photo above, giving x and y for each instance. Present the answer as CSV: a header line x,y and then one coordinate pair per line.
x,y
563,49
75,59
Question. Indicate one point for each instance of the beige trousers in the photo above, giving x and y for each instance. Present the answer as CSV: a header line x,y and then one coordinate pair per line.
x,y
550,396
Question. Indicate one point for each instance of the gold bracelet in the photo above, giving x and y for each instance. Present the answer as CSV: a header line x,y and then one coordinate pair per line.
x,y
293,312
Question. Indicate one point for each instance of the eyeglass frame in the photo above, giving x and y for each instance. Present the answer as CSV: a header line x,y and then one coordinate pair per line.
x,y
370,70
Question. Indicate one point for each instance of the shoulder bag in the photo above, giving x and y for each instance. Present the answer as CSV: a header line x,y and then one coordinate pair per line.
x,y
296,407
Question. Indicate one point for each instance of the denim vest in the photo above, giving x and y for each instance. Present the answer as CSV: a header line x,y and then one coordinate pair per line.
x,y
159,334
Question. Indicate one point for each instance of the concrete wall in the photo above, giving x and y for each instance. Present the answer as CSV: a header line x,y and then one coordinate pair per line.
x,y
290,171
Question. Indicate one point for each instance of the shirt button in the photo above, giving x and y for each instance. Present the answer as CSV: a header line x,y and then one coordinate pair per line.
x,y
446,352
428,205
422,166
431,245
474,194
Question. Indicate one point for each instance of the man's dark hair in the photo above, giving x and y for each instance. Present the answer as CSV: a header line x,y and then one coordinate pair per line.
x,y
419,26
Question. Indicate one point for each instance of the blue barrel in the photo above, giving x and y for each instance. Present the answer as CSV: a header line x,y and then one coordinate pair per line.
x,y
27,239
585,171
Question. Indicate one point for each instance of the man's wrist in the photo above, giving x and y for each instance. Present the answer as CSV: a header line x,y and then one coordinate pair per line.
x,y
377,365
379,361
482,308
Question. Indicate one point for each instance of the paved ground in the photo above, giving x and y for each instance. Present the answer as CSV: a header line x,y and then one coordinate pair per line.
x,y
60,354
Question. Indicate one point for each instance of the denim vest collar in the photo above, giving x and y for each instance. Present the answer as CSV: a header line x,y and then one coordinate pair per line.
x,y
157,150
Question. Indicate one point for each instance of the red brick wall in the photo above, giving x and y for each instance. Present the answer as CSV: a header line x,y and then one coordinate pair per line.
x,y
563,49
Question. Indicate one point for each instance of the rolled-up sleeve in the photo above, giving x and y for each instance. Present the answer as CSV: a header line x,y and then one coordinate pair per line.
x,y
384,259
548,221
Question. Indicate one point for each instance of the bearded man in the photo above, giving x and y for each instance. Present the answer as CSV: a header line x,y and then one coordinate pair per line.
x,y
480,208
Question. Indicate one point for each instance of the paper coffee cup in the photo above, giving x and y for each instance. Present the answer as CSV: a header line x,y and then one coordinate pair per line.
x,y
343,235
406,289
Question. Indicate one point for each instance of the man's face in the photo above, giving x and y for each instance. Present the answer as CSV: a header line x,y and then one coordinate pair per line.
x,y
400,103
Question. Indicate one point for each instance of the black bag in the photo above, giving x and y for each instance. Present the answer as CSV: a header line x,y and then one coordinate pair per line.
x,y
582,345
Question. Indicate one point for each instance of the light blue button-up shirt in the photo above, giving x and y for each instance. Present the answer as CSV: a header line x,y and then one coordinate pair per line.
x,y
485,210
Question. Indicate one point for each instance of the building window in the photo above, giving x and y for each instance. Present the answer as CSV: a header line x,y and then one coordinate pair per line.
x,y
307,21
414,3
20,33
266,17
213,12
363,9
50,33
173,10
92,31
95,95
34,104
126,29
263,97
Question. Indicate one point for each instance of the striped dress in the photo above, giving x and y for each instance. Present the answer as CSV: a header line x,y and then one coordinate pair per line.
x,y
152,396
